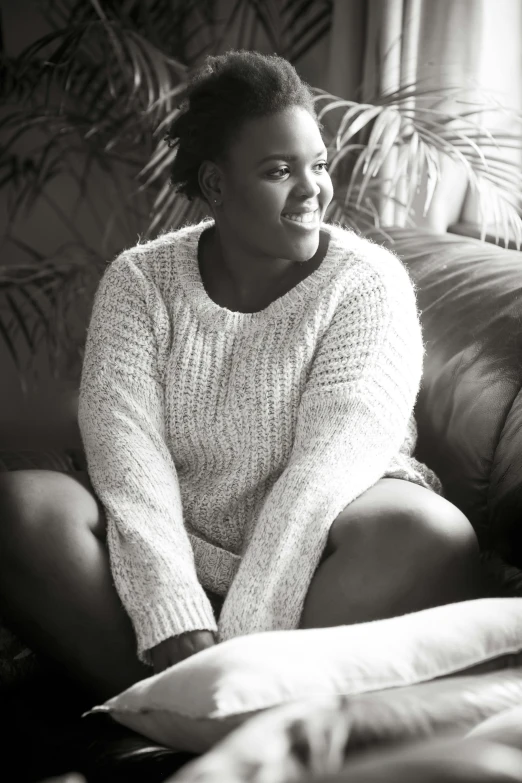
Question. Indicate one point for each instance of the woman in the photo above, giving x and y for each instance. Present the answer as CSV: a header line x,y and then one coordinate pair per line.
x,y
246,408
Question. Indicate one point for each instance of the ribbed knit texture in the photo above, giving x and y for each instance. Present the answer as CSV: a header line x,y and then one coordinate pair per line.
x,y
223,445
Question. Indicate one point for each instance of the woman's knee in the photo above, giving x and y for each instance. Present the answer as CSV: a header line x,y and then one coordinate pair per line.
x,y
407,519
397,548
443,537
35,504
444,560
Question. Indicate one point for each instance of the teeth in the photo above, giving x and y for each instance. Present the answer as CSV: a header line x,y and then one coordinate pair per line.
x,y
307,217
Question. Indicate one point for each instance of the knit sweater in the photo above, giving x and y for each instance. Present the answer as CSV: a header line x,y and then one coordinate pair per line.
x,y
223,445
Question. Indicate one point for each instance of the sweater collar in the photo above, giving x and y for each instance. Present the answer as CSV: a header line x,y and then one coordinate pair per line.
x,y
185,259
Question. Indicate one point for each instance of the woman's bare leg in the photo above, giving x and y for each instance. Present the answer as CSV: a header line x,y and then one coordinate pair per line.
x,y
56,587
397,548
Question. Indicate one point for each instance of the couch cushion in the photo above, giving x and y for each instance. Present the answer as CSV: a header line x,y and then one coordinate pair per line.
x,y
34,459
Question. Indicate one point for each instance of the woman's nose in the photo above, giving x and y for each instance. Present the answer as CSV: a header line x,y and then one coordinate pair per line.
x,y
308,186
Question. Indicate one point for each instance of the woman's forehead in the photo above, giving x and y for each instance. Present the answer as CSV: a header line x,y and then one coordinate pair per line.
x,y
290,132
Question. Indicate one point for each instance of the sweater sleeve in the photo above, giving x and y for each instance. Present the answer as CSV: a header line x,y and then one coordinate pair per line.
x,y
122,424
352,418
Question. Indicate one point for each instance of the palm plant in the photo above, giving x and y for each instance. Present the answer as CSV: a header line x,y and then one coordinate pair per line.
x,y
94,97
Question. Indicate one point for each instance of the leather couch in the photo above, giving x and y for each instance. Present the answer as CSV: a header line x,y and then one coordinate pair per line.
x,y
469,410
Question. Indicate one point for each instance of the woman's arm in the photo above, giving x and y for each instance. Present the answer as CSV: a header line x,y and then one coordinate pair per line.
x,y
352,419
122,423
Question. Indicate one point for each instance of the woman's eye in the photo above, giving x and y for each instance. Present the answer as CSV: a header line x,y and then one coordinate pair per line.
x,y
277,173
280,172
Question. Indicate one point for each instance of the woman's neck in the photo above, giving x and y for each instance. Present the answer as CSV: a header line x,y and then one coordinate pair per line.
x,y
249,280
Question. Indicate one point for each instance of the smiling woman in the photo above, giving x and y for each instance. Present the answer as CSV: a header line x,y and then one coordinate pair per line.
x,y
249,144
268,210
246,408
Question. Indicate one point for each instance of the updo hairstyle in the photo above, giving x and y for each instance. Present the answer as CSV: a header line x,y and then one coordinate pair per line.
x,y
221,95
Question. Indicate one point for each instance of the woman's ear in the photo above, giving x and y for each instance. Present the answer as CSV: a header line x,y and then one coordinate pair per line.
x,y
210,182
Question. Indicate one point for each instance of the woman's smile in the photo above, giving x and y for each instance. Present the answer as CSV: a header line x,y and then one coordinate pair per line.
x,y
303,221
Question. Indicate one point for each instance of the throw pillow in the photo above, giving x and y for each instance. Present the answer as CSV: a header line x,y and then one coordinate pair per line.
x,y
504,726
192,705
322,737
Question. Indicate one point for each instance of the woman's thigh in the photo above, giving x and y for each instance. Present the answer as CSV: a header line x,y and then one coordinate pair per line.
x,y
397,548
395,508
99,521
30,498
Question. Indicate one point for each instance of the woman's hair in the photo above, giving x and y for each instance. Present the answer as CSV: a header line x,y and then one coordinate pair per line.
x,y
221,95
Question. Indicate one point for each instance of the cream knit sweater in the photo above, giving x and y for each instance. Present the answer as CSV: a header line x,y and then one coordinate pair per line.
x,y
223,444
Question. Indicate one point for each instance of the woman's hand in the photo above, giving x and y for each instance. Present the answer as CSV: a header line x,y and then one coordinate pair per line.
x,y
177,648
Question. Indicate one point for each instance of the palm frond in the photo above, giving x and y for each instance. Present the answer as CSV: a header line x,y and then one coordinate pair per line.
x,y
305,23
60,13
422,135
267,15
100,52
40,299
12,349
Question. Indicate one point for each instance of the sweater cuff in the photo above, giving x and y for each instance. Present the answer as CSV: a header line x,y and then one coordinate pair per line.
x,y
166,620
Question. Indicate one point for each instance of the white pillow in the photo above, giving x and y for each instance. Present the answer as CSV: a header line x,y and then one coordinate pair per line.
x,y
324,737
505,727
197,702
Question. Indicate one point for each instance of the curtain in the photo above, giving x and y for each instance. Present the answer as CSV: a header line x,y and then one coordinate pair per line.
x,y
381,45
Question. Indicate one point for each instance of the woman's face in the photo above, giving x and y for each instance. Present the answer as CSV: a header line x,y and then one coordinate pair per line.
x,y
275,187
